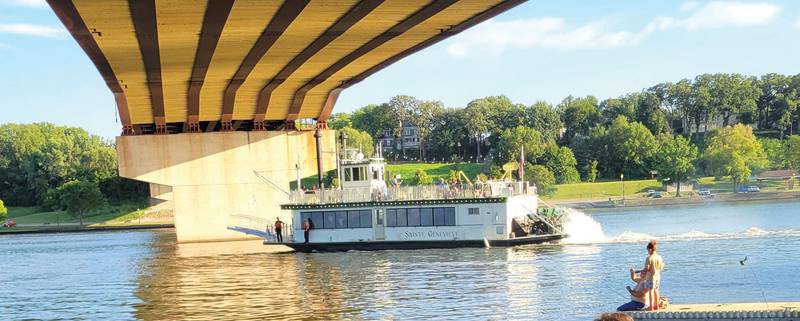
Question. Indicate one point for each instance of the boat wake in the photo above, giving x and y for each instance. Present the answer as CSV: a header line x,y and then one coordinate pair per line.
x,y
583,229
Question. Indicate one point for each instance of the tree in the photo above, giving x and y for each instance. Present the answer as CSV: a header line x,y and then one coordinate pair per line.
x,y
613,107
358,139
793,152
79,198
630,145
480,119
675,158
776,152
591,171
421,178
400,108
730,94
579,115
542,117
3,211
374,119
423,115
541,176
450,135
561,162
734,151
34,157
339,121
510,141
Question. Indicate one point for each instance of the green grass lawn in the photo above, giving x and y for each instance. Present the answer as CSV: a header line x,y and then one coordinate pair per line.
x,y
435,171
601,189
115,214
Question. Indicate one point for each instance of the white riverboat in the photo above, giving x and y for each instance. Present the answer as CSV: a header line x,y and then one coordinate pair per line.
x,y
366,214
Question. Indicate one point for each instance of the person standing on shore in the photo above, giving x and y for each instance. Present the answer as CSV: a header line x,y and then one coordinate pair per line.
x,y
652,272
278,228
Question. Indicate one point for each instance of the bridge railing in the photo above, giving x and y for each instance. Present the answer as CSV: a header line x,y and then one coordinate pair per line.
x,y
408,193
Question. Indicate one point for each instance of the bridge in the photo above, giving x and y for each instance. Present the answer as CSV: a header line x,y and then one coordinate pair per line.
x,y
208,91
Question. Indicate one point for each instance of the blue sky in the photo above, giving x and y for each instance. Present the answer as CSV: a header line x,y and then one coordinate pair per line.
x,y
541,50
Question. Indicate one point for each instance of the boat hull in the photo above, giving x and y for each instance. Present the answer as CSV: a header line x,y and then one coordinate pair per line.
x,y
415,245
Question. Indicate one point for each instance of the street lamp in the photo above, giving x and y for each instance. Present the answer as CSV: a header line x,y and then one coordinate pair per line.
x,y
622,178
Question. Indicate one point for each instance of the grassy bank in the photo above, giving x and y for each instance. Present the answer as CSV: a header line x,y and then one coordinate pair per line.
x,y
435,171
123,214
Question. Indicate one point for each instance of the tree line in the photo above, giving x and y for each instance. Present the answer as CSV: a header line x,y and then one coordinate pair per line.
x,y
674,129
61,168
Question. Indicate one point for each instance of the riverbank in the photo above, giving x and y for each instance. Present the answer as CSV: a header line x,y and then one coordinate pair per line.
x,y
79,228
721,198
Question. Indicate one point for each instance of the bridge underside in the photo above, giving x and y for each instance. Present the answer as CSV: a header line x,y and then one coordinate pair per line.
x,y
225,65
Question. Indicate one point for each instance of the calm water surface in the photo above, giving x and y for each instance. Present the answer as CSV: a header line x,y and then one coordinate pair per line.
x,y
144,275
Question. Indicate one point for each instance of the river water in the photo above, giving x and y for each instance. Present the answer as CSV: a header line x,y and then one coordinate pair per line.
x,y
143,275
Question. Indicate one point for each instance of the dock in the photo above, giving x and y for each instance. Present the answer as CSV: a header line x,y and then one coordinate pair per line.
x,y
756,311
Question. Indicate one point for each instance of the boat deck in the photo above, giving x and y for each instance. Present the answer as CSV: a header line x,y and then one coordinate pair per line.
x,y
411,245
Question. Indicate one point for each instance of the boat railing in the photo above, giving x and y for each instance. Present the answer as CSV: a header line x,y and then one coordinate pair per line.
x,y
259,226
410,193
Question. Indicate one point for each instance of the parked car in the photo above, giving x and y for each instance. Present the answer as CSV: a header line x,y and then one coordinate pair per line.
x,y
650,192
753,189
9,223
705,192
656,194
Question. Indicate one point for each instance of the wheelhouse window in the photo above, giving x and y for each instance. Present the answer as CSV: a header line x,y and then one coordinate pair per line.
x,y
339,219
426,216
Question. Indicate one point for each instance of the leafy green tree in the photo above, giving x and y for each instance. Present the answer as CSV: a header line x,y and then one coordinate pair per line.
x,y
374,119
35,157
730,94
622,106
3,211
480,117
423,115
339,121
421,178
542,117
630,146
541,176
793,152
400,108
776,152
358,139
591,171
450,136
561,162
79,198
734,151
675,158
579,115
511,140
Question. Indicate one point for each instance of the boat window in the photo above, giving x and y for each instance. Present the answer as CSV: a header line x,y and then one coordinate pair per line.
x,y
474,211
438,216
450,216
402,218
341,219
317,220
330,220
375,174
348,174
353,220
391,217
426,216
366,218
413,217
357,174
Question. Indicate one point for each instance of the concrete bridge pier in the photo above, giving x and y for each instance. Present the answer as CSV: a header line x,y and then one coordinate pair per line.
x,y
209,176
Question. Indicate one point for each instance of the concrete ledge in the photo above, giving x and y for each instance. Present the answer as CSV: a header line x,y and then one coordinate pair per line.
x,y
777,311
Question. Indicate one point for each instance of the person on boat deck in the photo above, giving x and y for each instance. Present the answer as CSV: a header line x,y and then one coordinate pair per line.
x,y
306,229
652,272
278,228
639,294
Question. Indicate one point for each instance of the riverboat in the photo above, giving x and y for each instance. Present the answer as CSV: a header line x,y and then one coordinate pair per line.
x,y
366,214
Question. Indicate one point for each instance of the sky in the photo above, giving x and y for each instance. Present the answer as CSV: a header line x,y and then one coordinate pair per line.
x,y
540,50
